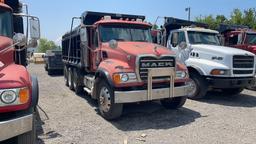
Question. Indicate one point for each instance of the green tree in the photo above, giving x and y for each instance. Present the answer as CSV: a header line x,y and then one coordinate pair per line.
x,y
249,18
45,45
237,17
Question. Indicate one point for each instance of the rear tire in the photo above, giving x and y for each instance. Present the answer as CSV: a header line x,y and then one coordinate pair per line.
x,y
105,96
77,82
232,91
173,103
46,67
70,79
29,137
198,86
65,71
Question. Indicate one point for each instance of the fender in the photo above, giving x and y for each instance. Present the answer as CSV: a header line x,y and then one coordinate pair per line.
x,y
101,72
196,68
35,91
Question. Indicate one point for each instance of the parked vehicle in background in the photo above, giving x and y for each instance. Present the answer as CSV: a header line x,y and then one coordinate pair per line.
x,y
112,57
241,37
37,58
18,89
53,61
211,66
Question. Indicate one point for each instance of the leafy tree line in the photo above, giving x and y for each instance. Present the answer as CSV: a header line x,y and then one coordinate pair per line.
x,y
238,17
45,45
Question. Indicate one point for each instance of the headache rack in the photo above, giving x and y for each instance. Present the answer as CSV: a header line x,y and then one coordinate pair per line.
x,y
89,17
223,28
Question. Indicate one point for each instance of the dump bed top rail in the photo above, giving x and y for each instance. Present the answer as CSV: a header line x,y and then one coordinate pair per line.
x,y
224,27
174,23
90,17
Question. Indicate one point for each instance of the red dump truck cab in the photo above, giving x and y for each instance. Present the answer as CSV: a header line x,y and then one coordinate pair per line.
x,y
18,90
112,57
238,36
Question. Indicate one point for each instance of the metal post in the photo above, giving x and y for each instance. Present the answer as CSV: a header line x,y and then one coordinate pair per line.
x,y
188,9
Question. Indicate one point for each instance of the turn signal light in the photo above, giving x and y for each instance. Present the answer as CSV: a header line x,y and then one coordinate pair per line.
x,y
218,72
24,95
2,1
116,78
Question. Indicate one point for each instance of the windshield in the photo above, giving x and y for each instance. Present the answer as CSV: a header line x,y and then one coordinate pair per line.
x,y
5,23
203,38
125,33
251,38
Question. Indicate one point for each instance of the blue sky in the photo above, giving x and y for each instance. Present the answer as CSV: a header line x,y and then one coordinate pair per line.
x,y
55,15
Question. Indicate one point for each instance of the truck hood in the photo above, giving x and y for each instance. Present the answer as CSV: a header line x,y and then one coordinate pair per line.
x,y
142,48
222,50
14,76
6,55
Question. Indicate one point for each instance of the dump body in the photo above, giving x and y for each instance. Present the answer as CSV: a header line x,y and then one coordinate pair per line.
x,y
53,61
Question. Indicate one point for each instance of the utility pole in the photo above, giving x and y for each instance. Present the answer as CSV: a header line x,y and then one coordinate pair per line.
x,y
188,9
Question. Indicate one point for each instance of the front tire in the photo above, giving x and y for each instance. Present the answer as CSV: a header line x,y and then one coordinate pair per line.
x,y
173,103
105,96
29,137
198,86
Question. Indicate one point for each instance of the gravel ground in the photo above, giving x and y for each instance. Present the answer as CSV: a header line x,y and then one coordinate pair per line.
x,y
72,119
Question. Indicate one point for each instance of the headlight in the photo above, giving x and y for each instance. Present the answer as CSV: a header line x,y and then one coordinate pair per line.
x,y
220,72
124,78
181,74
8,97
14,96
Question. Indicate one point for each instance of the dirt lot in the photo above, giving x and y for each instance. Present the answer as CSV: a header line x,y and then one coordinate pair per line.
x,y
72,119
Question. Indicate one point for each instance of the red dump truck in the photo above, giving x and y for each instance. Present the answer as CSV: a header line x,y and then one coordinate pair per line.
x,y
112,57
18,89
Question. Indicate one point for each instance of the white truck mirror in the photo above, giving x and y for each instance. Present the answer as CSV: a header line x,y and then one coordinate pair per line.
x,y
183,45
34,29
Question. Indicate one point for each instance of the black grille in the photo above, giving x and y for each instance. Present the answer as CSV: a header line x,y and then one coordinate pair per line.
x,y
243,71
240,61
153,62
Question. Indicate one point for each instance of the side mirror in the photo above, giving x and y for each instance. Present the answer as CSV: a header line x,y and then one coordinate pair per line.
x,y
113,44
34,29
32,43
183,45
83,35
19,39
174,39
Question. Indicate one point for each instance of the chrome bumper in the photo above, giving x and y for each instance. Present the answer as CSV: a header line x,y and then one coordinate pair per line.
x,y
15,127
153,94
139,96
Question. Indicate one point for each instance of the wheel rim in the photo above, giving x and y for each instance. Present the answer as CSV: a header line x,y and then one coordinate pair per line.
x,y
192,88
69,78
105,101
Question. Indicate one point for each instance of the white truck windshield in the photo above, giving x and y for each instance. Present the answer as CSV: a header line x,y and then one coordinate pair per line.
x,y
5,23
251,38
196,37
125,33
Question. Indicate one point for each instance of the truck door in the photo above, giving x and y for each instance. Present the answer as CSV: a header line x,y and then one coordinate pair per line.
x,y
175,38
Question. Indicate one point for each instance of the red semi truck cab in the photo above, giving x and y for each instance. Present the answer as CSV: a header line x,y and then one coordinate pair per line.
x,y
18,90
112,57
